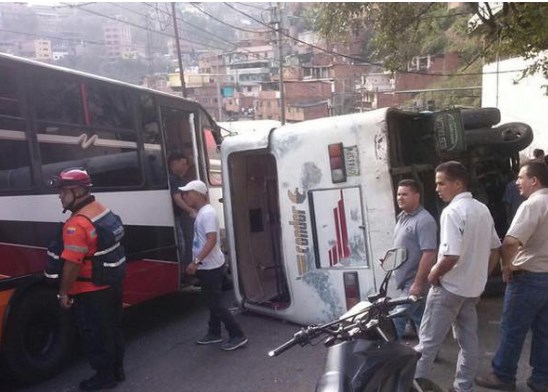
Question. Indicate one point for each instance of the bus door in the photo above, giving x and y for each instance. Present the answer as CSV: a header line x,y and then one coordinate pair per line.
x,y
179,138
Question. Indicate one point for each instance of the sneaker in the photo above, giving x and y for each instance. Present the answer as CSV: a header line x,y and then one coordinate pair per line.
x,y
537,387
98,382
234,343
210,339
491,381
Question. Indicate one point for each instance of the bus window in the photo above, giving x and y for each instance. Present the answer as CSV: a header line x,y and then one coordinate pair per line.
x,y
154,162
177,133
109,106
213,158
212,151
110,157
9,105
14,152
57,98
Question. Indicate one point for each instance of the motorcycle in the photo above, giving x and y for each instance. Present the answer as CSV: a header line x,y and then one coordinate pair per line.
x,y
362,355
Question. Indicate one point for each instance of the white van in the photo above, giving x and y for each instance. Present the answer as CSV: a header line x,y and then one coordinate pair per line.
x,y
310,207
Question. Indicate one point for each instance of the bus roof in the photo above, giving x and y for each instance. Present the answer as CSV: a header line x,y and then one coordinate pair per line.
x,y
88,75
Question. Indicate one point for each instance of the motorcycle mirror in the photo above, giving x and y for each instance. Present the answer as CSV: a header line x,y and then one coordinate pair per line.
x,y
393,259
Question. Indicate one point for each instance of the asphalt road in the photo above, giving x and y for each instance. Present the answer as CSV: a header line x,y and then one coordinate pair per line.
x,y
162,356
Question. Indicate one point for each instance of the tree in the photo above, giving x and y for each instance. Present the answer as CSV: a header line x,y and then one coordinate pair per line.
x,y
514,29
404,30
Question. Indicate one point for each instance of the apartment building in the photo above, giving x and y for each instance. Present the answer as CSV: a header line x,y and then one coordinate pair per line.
x,y
118,40
38,49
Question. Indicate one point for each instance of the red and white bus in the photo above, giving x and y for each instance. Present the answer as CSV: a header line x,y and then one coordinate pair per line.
x,y
52,118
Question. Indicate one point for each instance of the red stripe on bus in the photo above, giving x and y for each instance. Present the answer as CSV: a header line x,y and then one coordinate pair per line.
x,y
146,279
344,228
85,103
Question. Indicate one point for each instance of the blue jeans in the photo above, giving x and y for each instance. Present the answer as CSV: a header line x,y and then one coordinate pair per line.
x,y
413,312
525,308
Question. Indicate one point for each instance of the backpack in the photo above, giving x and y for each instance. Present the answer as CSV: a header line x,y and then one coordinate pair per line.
x,y
108,262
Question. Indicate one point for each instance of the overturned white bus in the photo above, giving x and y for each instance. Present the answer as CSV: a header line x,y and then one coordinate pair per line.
x,y
310,207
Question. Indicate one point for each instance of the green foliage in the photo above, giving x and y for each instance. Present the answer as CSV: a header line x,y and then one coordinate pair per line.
x,y
399,31
404,30
518,29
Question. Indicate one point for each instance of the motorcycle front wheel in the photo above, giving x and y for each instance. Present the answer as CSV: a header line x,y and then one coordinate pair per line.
x,y
427,385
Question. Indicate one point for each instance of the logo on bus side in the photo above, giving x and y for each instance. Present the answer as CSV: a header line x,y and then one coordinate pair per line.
x,y
86,142
300,229
296,197
300,226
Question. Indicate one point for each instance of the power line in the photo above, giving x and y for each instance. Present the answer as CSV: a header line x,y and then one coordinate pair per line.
x,y
143,28
226,24
356,58
146,16
54,37
211,16
249,16
193,25
253,6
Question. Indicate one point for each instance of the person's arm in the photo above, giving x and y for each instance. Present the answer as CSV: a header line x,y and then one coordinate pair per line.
x,y
211,241
71,271
426,262
445,265
510,247
494,259
179,202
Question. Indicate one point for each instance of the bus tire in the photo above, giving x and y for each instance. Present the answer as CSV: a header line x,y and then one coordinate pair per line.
x,y
510,137
39,336
480,118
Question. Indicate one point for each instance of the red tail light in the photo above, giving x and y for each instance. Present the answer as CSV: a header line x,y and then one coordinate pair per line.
x,y
336,163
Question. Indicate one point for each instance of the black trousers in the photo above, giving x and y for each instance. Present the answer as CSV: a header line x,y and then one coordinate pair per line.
x,y
212,285
99,318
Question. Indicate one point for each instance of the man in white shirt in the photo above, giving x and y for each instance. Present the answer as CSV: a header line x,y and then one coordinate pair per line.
x,y
208,265
525,271
468,250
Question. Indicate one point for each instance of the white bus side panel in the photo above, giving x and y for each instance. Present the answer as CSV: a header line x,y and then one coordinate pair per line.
x,y
140,208
301,151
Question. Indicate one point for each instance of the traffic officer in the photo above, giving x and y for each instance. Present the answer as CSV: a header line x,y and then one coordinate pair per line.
x,y
97,308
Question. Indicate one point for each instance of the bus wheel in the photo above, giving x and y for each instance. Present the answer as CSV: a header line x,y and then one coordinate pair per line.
x,y
39,336
480,117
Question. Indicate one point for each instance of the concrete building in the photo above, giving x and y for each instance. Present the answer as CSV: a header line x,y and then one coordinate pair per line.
x,y
212,63
118,40
521,100
258,37
38,49
423,71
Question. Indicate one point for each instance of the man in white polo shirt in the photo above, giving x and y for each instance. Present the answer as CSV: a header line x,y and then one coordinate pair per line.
x,y
468,250
525,270
208,264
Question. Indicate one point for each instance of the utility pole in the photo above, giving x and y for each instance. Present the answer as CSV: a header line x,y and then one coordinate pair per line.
x,y
219,98
277,20
178,46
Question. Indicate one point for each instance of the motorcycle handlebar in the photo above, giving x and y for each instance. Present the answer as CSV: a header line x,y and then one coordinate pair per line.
x,y
411,299
301,337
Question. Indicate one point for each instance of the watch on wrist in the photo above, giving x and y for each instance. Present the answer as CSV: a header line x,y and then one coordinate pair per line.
x,y
197,261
